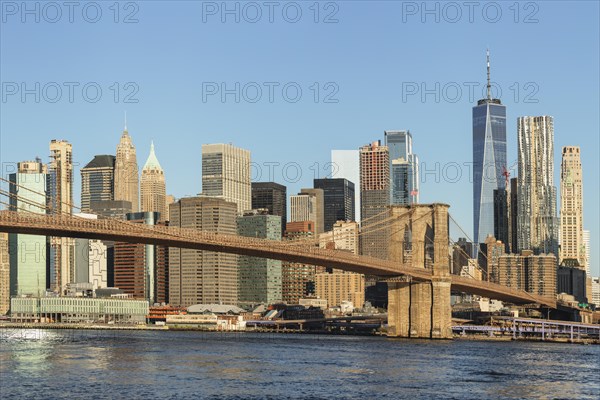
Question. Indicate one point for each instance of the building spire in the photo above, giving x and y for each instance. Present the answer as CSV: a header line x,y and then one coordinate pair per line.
x,y
125,129
489,86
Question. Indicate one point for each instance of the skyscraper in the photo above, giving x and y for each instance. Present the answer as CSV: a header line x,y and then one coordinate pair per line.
x,y
259,278
198,276
404,168
308,205
338,200
226,174
273,197
345,164
586,243
60,201
4,274
153,191
141,269
374,199
537,224
489,159
126,172
28,252
97,181
571,207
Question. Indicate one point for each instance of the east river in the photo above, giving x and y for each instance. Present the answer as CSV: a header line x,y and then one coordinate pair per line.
x,y
67,364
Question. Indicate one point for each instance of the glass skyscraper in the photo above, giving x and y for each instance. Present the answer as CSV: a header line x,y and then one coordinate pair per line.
x,y
489,160
404,168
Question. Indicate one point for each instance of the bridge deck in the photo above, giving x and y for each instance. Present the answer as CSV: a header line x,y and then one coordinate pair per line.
x,y
116,230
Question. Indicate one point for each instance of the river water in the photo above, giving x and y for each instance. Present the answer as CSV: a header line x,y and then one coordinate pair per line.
x,y
67,364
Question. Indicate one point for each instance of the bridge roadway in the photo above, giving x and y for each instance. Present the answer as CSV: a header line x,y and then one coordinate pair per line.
x,y
117,230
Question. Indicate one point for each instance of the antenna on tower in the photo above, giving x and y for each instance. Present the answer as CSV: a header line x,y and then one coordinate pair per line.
x,y
489,86
126,117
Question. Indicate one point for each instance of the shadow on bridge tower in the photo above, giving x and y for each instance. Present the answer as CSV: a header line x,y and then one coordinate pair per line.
x,y
419,239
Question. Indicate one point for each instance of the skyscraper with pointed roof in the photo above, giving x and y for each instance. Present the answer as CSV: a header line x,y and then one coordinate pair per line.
x,y
153,186
126,171
489,159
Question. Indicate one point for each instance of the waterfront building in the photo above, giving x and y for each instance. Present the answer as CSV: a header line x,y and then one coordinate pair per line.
x,y
60,201
91,264
27,253
572,245
537,225
4,274
338,287
273,197
309,205
259,278
345,164
77,310
226,174
153,191
489,159
596,290
97,181
298,280
198,276
404,168
338,200
535,274
141,270
126,172
571,279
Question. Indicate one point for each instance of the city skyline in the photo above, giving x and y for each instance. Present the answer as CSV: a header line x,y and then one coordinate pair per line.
x,y
169,109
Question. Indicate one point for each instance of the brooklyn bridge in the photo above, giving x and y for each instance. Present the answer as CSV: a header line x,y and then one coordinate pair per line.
x,y
419,286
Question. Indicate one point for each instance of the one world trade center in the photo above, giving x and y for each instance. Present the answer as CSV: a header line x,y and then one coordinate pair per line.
x,y
489,159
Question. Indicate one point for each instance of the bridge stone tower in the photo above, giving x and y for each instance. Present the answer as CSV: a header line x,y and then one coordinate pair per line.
x,y
419,239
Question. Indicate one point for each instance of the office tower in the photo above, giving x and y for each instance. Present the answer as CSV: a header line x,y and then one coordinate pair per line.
x,y
273,197
571,279
374,199
298,280
404,168
153,191
572,245
596,290
259,278
502,217
198,276
338,200
537,225
494,249
586,243
461,254
226,174
115,209
170,200
308,205
4,274
28,252
535,274
345,164
126,172
91,263
318,211
141,269
489,159
60,201
97,181
513,214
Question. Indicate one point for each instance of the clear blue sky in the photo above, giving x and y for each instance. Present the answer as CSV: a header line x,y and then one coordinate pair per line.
x,y
372,55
